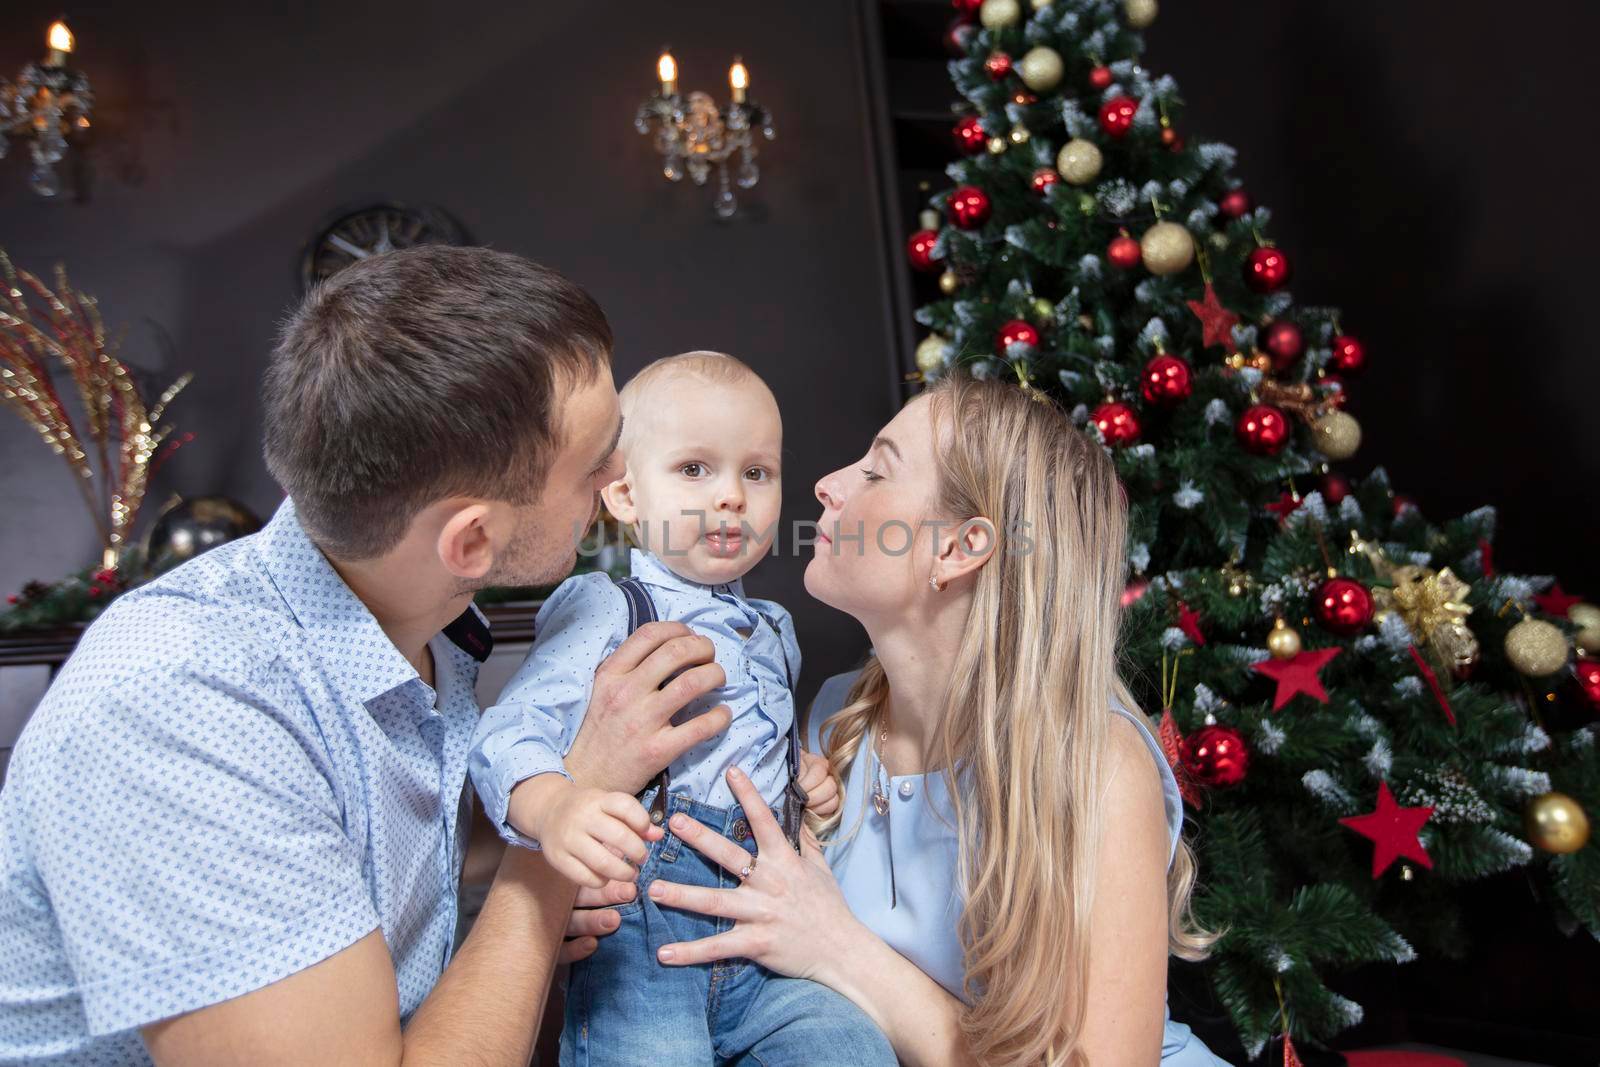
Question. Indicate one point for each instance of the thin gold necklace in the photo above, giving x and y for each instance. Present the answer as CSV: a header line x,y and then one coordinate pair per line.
x,y
880,804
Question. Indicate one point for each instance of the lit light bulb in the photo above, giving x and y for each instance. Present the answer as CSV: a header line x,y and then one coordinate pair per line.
x,y
667,70
60,38
738,79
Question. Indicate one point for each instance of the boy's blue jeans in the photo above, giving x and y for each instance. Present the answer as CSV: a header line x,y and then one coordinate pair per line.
x,y
626,1009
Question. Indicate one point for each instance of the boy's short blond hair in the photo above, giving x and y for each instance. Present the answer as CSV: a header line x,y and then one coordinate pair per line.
x,y
712,367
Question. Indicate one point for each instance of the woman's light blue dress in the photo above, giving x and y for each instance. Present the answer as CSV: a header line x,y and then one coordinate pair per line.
x,y
920,921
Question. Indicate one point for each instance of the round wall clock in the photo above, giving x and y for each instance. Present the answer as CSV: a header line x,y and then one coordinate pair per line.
x,y
370,230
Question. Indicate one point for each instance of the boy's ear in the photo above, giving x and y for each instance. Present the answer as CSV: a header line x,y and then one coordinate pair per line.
x,y
618,498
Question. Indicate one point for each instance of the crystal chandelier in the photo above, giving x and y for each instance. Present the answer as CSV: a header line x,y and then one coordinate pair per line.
x,y
49,103
695,134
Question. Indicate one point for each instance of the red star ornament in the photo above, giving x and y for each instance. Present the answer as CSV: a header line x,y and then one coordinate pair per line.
x,y
1297,675
1556,602
1216,321
1284,507
1393,831
1189,623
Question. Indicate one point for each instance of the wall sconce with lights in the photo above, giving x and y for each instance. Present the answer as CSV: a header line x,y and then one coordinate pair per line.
x,y
49,103
695,134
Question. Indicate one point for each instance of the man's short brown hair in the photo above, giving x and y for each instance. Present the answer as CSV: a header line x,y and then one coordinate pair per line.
x,y
420,374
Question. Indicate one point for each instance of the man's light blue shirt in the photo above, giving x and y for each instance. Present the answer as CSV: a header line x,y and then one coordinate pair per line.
x,y
235,776
537,717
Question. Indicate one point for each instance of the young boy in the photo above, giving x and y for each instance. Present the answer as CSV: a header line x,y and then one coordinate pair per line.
x,y
702,440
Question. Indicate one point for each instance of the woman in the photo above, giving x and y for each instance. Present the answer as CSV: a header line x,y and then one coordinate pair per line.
x,y
1019,905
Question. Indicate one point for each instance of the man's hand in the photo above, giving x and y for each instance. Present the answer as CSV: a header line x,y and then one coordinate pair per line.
x,y
822,788
627,735
588,836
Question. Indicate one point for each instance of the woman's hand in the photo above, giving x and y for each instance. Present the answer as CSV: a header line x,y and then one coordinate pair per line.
x,y
789,915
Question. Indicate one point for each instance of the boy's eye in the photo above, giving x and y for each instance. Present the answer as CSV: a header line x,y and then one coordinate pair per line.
x,y
758,474
692,470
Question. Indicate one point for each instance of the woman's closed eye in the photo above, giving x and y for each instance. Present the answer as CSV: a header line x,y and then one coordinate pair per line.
x,y
871,475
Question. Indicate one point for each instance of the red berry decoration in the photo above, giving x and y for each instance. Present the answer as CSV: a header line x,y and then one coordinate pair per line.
x,y
1215,755
1262,429
969,206
1399,502
969,136
1116,115
1166,381
94,592
1043,179
1137,587
1266,270
1123,252
1335,487
1101,78
1235,203
1349,355
1284,342
919,250
1342,606
1169,136
1588,671
1015,332
1117,422
998,65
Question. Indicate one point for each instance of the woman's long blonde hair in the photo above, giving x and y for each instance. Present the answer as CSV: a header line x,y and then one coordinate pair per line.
x,y
1026,720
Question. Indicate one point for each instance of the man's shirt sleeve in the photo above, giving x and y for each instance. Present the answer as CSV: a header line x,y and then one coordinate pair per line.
x,y
189,834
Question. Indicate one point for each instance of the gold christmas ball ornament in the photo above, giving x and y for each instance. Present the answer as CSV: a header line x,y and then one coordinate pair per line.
x,y
932,353
1166,248
1041,68
1019,134
1337,435
1536,648
1141,13
930,219
1584,616
997,145
1284,641
1079,161
1043,310
949,283
995,14
1556,823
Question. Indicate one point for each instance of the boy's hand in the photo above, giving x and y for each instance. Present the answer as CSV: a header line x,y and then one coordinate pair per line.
x,y
588,835
822,788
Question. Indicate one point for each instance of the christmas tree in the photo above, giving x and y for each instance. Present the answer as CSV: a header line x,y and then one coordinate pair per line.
x,y
1362,711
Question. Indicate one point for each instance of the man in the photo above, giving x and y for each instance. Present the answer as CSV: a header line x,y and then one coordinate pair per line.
x,y
233,829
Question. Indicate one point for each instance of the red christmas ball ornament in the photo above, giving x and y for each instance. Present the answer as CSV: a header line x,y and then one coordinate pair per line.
x,y
1342,606
1335,487
966,8
1123,253
1215,755
1349,355
1137,587
1235,203
1015,332
969,206
1043,179
1266,270
919,250
998,65
1166,381
12,598
1284,342
94,592
1169,136
1116,115
1588,671
968,135
1117,422
1100,78
1262,429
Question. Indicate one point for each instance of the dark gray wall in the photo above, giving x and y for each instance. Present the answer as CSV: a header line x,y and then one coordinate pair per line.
x,y
226,139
